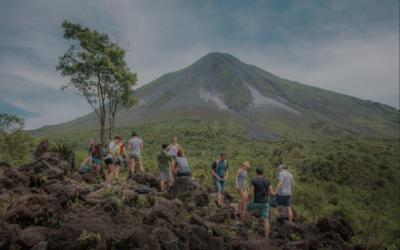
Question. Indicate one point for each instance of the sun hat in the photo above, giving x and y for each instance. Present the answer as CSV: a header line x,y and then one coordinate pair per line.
x,y
282,166
246,163
91,142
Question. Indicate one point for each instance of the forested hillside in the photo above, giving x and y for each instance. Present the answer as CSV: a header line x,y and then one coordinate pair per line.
x,y
354,177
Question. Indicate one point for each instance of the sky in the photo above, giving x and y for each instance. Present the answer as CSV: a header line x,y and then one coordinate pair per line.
x,y
350,47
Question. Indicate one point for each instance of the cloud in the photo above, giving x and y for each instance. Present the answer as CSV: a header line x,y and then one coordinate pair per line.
x,y
350,47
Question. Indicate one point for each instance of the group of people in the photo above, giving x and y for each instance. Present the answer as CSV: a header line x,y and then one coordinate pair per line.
x,y
172,164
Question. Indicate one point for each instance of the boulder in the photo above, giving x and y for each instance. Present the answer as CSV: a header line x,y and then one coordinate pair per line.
x,y
310,228
253,245
23,210
323,225
217,231
287,229
171,211
137,238
40,169
88,178
10,178
167,239
6,236
283,215
40,246
311,241
148,179
42,148
189,187
62,192
31,236
199,237
223,213
340,226
74,176
216,243
301,244
190,207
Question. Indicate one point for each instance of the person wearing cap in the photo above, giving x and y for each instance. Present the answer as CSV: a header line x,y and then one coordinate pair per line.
x,y
135,146
220,172
241,185
94,156
284,192
261,188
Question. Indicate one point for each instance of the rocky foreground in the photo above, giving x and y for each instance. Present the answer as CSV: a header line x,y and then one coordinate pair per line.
x,y
45,205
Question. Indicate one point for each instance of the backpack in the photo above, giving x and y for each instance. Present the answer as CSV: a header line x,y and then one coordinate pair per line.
x,y
104,153
142,189
217,163
273,202
85,169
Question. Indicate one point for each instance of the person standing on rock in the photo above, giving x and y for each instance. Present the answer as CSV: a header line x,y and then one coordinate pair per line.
x,y
284,192
135,145
94,156
110,159
241,185
182,165
220,172
173,149
261,188
164,166
121,155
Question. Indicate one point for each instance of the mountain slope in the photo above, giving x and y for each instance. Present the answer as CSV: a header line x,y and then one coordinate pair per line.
x,y
220,88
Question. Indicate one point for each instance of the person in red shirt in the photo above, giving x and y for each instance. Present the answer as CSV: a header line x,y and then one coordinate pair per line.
x,y
121,155
94,156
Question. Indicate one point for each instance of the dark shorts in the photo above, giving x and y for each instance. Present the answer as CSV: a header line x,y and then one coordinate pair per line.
x,y
109,161
285,201
173,157
180,174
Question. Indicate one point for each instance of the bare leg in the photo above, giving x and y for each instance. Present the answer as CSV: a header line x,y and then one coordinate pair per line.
x,y
162,185
290,213
116,172
98,167
266,228
271,214
84,162
244,216
174,173
169,184
111,168
241,202
219,196
132,165
140,165
245,200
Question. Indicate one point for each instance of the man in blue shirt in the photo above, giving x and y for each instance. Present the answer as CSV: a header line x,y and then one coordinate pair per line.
x,y
220,172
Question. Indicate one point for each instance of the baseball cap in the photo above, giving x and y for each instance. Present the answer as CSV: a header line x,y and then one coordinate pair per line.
x,y
91,142
282,166
259,170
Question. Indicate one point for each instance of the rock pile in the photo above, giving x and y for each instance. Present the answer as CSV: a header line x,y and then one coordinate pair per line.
x,y
46,206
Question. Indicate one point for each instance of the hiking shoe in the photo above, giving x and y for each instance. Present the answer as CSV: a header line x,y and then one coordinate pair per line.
x,y
131,176
219,204
238,225
117,179
104,183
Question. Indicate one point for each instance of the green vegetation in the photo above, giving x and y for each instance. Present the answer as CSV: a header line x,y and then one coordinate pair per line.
x,y
354,177
64,150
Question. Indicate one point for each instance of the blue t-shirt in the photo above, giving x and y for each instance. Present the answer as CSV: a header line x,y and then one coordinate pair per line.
x,y
222,166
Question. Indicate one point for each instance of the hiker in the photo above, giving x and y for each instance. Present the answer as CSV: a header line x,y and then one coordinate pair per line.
x,y
135,145
219,170
121,157
94,156
173,149
164,166
261,188
110,159
180,166
284,192
241,185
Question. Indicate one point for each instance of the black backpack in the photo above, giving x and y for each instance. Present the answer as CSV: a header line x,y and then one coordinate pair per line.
x,y
142,189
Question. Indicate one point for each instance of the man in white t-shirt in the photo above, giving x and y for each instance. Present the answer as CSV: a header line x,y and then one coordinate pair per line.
x,y
284,192
135,145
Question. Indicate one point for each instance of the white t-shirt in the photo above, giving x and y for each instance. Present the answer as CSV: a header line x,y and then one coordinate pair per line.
x,y
287,178
135,145
112,146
